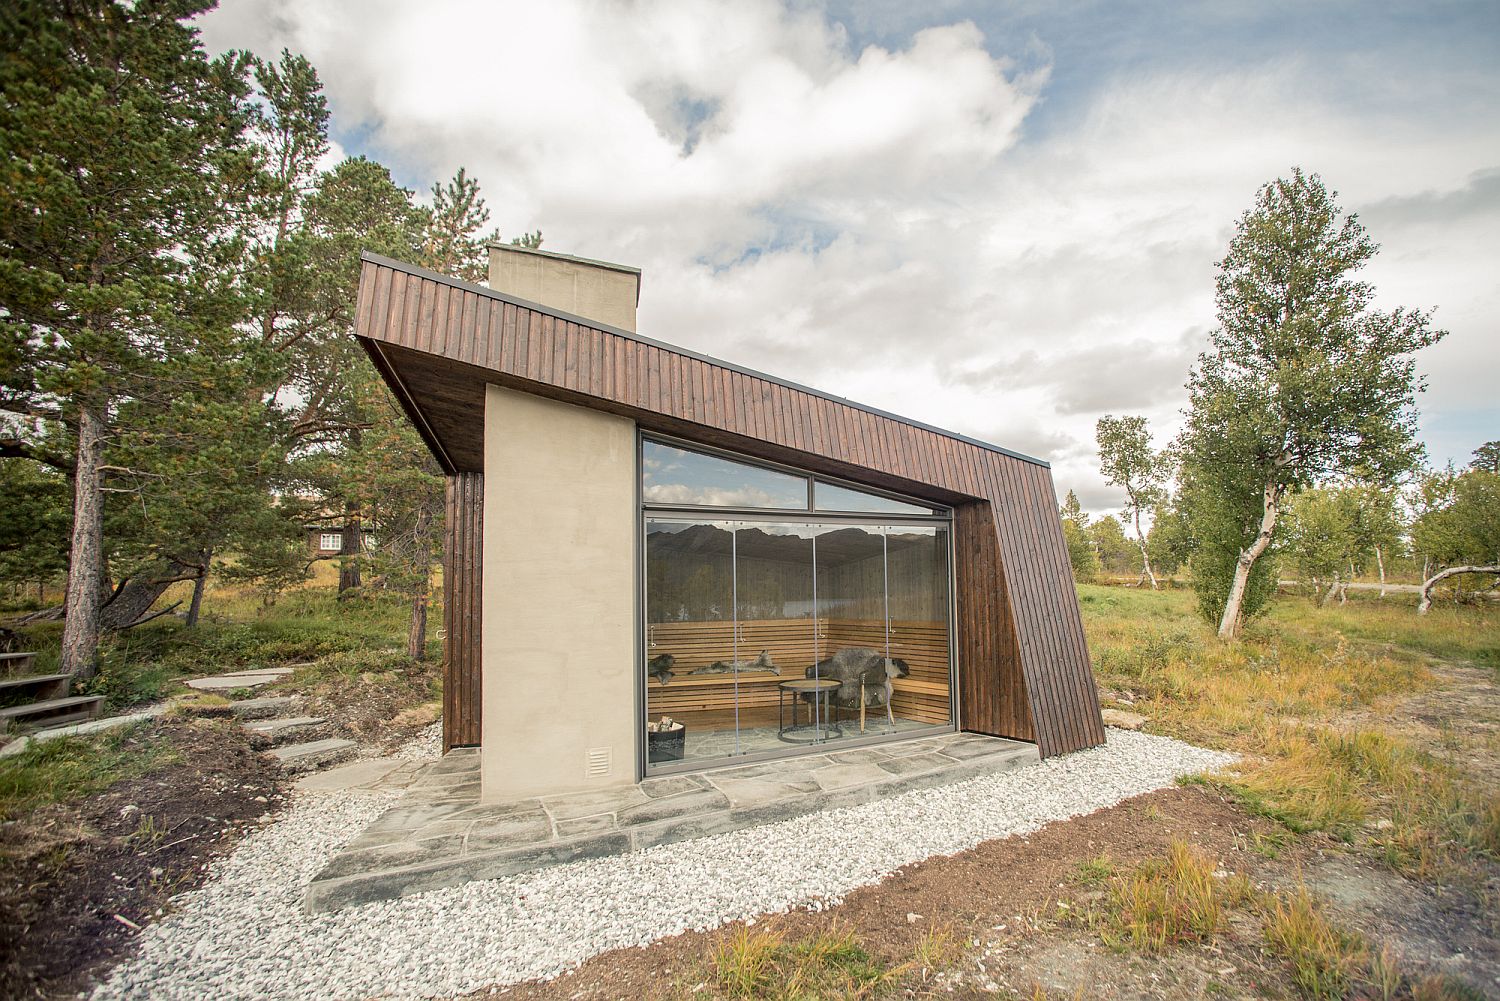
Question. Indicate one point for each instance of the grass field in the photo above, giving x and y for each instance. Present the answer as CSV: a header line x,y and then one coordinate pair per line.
x,y
1300,696
239,629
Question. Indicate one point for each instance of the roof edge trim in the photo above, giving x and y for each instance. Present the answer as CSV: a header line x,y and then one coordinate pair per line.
x,y
412,269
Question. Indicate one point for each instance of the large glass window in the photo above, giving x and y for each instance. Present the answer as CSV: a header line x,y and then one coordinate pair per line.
x,y
769,633
671,475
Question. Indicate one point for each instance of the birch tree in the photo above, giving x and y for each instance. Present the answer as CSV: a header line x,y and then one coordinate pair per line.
x,y
1304,380
1127,461
1461,531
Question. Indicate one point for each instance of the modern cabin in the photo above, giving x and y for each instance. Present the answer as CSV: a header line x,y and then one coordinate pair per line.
x,y
658,561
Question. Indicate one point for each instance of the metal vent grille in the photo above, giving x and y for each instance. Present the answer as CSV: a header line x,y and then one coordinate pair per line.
x,y
598,762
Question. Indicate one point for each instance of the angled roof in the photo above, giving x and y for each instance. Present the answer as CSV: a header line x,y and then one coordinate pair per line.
x,y
421,319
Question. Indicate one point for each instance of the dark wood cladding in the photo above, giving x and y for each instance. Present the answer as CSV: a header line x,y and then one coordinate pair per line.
x,y
993,697
463,565
1023,665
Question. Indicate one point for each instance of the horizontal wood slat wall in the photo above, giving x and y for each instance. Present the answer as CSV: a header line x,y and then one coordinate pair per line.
x,y
1023,663
463,546
792,647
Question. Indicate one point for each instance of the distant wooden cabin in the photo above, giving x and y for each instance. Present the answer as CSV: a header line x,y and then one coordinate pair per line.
x,y
636,531
325,540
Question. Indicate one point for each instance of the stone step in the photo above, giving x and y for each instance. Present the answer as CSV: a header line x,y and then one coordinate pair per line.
x,y
239,679
314,754
284,726
264,707
53,712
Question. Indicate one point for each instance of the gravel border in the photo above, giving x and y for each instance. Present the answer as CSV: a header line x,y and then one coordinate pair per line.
x,y
427,745
244,934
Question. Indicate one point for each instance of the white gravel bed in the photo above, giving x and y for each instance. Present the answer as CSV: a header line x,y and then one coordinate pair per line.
x,y
244,934
427,745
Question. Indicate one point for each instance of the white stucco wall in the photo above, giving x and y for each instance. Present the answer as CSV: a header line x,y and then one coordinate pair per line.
x,y
559,597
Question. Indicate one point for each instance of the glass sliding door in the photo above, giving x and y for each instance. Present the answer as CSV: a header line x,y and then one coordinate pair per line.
x,y
689,598
918,620
785,614
774,575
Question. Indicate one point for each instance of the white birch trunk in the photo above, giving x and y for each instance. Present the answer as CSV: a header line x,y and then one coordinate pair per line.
x,y
1140,539
1229,625
1441,575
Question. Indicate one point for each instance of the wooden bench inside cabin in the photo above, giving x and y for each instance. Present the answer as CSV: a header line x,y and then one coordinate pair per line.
x,y
793,646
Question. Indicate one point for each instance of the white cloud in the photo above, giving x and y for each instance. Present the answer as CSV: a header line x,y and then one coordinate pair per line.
x,y
877,223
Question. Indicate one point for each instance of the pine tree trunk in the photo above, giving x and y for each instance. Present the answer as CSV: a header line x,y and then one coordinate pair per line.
x,y
80,638
196,605
349,550
416,634
1229,625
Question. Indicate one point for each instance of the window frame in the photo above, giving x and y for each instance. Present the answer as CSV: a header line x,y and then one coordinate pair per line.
x,y
939,512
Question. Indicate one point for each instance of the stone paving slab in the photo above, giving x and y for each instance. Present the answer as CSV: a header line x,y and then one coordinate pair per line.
x,y
264,707
239,679
439,834
314,753
285,724
372,774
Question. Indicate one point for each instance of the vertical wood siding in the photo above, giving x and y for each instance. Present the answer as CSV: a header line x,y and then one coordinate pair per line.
x,y
463,565
1023,664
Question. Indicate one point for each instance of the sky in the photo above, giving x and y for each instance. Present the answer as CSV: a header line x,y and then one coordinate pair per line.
x,y
998,218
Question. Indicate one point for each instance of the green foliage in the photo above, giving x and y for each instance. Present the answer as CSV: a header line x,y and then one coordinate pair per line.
x,y
1127,460
1222,515
1081,555
1170,541
1487,457
34,531
1322,536
1462,522
1116,554
177,266
1305,380
454,243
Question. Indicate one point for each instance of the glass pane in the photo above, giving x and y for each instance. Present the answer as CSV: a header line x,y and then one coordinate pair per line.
x,y
917,568
671,475
689,630
774,581
827,497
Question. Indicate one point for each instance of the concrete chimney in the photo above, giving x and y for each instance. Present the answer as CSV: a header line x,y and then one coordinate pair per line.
x,y
594,290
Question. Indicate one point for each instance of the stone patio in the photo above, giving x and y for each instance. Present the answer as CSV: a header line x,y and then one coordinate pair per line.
x,y
439,834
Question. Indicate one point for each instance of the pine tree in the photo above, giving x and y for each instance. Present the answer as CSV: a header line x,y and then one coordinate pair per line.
x,y
125,167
